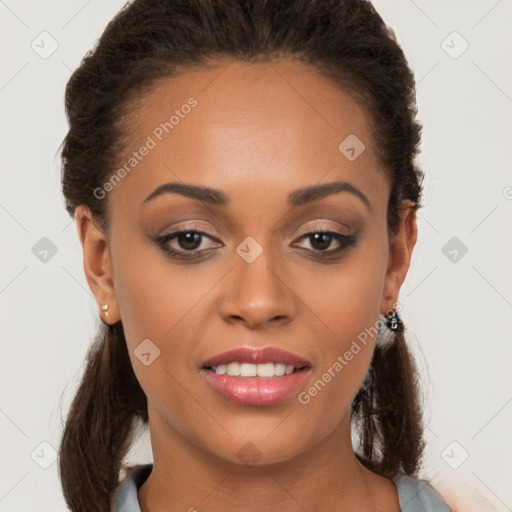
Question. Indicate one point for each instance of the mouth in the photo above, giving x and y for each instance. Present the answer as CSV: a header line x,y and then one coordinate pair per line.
x,y
256,376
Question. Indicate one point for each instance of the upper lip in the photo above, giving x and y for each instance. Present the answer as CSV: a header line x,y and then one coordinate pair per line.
x,y
257,356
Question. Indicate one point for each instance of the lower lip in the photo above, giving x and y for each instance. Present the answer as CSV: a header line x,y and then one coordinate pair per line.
x,y
257,390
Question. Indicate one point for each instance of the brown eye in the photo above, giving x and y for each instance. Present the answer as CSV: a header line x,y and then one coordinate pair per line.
x,y
320,241
189,240
185,241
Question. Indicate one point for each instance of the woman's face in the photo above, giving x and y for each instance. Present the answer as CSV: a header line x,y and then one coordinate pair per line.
x,y
257,134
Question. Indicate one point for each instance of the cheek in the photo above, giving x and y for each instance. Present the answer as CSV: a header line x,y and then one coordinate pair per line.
x,y
343,308
155,296
167,305
159,306
344,300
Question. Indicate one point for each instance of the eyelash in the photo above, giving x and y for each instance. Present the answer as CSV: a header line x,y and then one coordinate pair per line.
x,y
346,241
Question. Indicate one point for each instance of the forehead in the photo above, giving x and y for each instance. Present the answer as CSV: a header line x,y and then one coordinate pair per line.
x,y
236,125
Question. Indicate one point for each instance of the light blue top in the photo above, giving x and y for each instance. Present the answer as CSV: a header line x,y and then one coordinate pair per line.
x,y
414,495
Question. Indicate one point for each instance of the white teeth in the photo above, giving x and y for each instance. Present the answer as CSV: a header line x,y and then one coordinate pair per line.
x,y
254,370
279,369
221,369
248,370
266,370
233,369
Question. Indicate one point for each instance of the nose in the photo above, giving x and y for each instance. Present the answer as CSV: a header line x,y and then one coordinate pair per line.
x,y
258,295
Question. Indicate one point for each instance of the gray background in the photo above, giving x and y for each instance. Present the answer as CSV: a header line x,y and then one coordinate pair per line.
x,y
457,304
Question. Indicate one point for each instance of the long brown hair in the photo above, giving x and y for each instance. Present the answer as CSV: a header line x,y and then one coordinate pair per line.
x,y
344,40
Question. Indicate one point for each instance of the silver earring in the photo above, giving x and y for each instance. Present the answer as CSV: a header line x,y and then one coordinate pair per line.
x,y
104,307
394,323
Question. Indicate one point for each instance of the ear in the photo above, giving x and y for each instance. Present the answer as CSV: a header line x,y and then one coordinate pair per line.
x,y
400,252
97,263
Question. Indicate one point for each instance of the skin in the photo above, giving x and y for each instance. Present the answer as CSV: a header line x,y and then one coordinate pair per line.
x,y
259,132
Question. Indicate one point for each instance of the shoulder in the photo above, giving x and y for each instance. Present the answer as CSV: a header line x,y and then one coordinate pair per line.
x,y
125,497
418,495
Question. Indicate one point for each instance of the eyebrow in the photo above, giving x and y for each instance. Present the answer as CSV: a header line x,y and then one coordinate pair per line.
x,y
298,197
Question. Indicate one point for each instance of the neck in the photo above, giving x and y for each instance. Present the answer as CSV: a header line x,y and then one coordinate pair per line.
x,y
326,477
